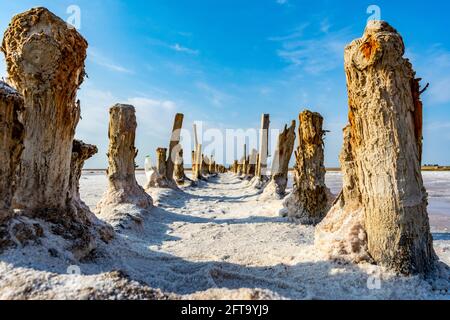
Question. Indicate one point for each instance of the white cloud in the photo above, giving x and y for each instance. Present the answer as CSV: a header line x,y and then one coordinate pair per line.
x,y
99,59
180,48
282,2
140,102
154,118
175,47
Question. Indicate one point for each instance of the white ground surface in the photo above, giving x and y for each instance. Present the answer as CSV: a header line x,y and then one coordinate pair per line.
x,y
216,241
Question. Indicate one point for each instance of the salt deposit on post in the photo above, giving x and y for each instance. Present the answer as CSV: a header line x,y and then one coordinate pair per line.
x,y
179,174
11,146
125,199
382,211
262,177
45,63
48,85
173,148
251,166
159,179
280,165
308,202
80,153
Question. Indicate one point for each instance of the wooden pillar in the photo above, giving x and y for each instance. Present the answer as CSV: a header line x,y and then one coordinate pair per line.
x,y
308,202
261,171
174,145
384,202
123,188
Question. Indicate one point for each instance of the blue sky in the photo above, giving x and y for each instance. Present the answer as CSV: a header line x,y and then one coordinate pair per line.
x,y
227,62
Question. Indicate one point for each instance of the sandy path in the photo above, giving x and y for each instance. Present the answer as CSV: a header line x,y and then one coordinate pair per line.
x,y
218,240
215,241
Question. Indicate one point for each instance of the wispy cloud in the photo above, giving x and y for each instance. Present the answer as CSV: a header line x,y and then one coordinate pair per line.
x,y
141,102
434,67
215,96
175,47
282,2
323,52
101,60
298,32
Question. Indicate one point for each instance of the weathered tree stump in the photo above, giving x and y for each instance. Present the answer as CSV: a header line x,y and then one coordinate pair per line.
x,y
261,170
45,63
308,202
198,164
212,166
179,174
251,164
159,177
174,147
205,166
280,165
235,167
80,153
381,213
11,146
125,199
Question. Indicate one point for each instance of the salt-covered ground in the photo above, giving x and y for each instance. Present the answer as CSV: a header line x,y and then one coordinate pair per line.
x,y
219,241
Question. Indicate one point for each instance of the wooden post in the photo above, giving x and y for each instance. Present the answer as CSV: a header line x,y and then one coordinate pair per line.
x,y
123,188
383,202
45,63
280,165
308,201
174,142
11,146
261,171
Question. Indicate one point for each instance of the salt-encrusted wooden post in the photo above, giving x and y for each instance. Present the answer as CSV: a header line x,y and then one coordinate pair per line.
x,y
212,166
11,146
252,161
308,202
159,178
80,153
45,63
174,145
261,170
205,165
235,166
161,168
198,164
124,193
280,165
180,176
382,211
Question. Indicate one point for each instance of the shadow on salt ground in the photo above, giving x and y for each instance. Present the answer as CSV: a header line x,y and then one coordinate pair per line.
x,y
306,280
179,198
137,254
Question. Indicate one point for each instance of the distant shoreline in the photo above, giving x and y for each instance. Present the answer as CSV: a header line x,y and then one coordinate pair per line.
x,y
438,169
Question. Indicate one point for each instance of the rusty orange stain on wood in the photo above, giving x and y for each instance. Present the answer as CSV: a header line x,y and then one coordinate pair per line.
x,y
369,47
